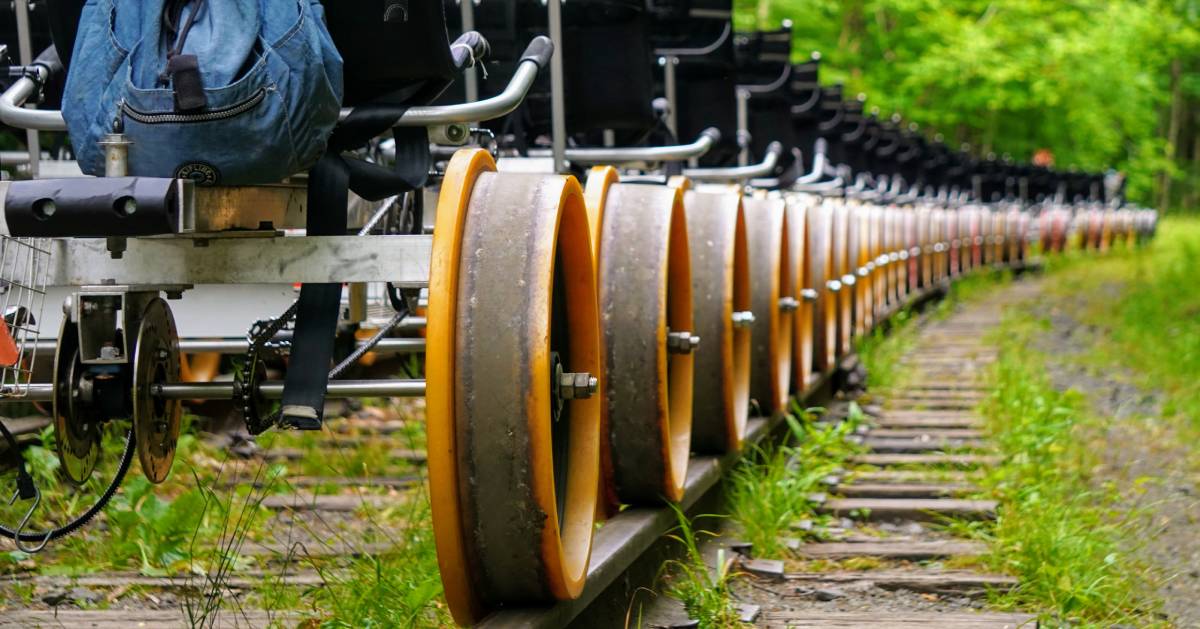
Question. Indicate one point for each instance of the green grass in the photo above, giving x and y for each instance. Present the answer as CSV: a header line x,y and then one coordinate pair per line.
x,y
1058,530
769,491
703,590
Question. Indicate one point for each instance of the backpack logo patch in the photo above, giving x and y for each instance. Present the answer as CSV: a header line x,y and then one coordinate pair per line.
x,y
199,172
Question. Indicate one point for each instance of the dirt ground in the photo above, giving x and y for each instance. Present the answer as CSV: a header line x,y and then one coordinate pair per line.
x,y
1155,469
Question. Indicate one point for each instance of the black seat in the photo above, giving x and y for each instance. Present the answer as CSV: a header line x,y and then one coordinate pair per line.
x,y
699,34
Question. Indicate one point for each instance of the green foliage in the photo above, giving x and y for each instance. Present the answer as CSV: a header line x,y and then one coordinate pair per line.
x,y
398,588
1091,80
1150,324
704,591
770,490
1061,533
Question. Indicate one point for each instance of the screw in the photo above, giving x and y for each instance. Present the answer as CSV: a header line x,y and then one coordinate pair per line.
x,y
743,319
849,280
833,286
108,351
808,294
789,304
682,342
577,385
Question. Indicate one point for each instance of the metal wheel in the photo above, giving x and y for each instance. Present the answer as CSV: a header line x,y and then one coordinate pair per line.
x,y
773,301
645,288
512,305
858,254
825,309
156,361
801,253
720,264
77,432
844,272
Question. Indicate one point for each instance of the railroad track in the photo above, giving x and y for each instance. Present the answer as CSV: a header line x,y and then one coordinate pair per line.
x,y
925,448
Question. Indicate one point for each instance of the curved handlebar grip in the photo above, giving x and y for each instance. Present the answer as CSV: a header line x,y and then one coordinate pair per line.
x,y
49,60
539,51
713,133
469,49
776,149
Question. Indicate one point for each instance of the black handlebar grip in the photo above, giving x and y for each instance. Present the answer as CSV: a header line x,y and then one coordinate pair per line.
x,y
469,49
49,59
539,51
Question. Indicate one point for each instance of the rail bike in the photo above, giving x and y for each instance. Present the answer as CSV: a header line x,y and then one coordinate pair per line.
x,y
613,229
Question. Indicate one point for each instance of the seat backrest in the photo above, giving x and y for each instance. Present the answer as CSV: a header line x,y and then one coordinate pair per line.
x,y
392,49
764,63
700,34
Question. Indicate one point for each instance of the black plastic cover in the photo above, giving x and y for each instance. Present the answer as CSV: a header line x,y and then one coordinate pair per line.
x,y
93,207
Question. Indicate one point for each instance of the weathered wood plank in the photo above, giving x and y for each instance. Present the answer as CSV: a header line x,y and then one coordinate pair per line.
x,y
305,501
928,420
905,490
896,620
906,476
926,433
133,618
941,581
950,460
885,445
901,550
916,509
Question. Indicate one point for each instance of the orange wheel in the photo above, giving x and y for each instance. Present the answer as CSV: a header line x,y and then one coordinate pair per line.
x,y
773,301
802,252
827,284
513,347
720,263
645,290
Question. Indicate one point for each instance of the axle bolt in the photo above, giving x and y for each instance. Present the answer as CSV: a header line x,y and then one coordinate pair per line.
x,y
577,386
743,319
789,304
808,294
682,342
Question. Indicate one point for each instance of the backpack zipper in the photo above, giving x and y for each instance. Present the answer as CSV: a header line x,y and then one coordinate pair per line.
x,y
208,116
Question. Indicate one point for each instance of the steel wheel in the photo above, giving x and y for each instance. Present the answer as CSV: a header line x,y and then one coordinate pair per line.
x,y
773,298
645,288
825,280
512,304
720,287
802,253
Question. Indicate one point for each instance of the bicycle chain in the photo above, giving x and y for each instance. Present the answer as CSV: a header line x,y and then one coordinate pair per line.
x,y
245,390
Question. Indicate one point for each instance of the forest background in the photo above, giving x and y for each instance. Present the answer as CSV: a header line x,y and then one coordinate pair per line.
x,y
1097,83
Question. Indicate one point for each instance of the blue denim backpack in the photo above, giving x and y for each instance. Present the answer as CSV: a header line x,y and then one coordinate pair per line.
x,y
219,91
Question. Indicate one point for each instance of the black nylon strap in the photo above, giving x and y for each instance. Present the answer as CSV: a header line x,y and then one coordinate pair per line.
x,y
304,385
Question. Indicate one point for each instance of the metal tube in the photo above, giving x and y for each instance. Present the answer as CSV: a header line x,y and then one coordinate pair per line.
x,y
670,91
736,173
676,153
241,346
25,45
743,123
487,109
14,114
467,9
558,110
273,389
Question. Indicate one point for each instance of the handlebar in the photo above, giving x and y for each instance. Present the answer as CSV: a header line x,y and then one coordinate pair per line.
x,y
536,56
676,153
12,101
770,160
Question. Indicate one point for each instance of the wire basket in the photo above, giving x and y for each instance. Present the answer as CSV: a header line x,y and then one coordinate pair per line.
x,y
24,271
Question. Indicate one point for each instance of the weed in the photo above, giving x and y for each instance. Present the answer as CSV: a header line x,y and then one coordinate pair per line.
x,y
770,490
1074,553
704,592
